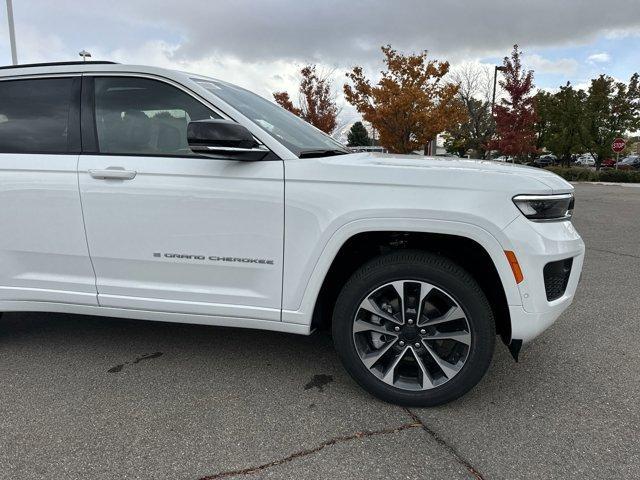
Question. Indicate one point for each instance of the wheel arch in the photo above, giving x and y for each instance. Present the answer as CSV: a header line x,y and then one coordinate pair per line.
x,y
472,247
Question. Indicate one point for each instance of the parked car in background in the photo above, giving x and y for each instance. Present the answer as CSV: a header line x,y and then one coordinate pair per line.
x,y
545,160
632,162
585,160
368,148
503,158
608,163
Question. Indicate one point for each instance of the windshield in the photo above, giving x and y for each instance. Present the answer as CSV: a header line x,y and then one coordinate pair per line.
x,y
629,160
293,132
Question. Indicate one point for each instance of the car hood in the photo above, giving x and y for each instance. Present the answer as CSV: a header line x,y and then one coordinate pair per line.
x,y
439,172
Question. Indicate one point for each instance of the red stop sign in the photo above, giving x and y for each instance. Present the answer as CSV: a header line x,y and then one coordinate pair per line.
x,y
618,145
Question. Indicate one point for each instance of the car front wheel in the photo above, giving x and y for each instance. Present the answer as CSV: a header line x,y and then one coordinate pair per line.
x,y
414,329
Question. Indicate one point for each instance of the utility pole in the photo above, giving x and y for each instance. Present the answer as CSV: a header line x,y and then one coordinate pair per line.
x,y
493,98
12,33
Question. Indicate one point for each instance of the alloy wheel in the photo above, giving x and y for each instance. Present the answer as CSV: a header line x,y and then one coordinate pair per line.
x,y
411,335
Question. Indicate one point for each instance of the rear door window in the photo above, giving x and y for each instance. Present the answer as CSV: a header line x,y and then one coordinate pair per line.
x,y
35,115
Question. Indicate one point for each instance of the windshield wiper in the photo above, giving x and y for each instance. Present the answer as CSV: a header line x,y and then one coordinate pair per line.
x,y
322,153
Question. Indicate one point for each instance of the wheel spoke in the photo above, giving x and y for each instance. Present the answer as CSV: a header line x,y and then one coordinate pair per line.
x,y
370,306
449,369
425,289
454,313
461,336
399,288
427,381
362,326
371,358
391,370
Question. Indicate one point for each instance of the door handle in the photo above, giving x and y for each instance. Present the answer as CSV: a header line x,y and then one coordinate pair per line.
x,y
113,173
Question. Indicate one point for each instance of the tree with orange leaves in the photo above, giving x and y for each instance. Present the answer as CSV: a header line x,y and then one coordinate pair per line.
x,y
316,100
411,104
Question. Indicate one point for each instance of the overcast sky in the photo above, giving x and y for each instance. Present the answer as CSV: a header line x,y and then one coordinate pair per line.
x,y
260,44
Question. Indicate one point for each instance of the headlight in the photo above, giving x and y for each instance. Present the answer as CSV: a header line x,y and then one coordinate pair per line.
x,y
545,208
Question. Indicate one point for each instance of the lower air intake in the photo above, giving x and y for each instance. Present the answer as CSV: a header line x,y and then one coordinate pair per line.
x,y
556,277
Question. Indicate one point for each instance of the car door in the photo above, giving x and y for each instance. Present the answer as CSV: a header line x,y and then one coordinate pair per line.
x,y
169,230
43,249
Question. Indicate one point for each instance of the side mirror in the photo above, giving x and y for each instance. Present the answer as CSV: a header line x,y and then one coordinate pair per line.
x,y
224,139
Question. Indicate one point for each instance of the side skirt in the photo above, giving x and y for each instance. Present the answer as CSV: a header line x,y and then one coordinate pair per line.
x,y
239,322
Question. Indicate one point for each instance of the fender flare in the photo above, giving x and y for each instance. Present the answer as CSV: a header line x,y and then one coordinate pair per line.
x,y
485,239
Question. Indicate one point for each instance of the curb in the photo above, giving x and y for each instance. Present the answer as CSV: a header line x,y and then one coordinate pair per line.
x,y
615,184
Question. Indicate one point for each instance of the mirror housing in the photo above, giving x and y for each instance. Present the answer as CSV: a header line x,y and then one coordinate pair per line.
x,y
224,139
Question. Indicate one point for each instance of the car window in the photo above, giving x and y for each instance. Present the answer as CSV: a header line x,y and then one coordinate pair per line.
x,y
290,130
34,115
144,116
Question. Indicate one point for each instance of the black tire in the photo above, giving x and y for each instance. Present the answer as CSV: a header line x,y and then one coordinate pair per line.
x,y
447,276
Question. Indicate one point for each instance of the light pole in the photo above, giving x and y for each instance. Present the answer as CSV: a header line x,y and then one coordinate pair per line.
x,y
84,54
493,98
12,33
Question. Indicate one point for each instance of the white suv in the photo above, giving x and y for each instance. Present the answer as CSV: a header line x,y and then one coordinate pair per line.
x,y
145,193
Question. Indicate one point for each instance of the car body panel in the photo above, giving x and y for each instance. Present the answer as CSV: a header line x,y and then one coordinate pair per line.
x,y
308,291
407,187
43,250
413,193
182,218
156,316
536,244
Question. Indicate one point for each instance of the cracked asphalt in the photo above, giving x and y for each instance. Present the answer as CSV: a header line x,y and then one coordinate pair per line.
x,y
93,398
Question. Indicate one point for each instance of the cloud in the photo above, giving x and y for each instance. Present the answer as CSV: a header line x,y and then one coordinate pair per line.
x,y
603,57
338,32
333,32
251,75
40,45
618,33
565,66
261,44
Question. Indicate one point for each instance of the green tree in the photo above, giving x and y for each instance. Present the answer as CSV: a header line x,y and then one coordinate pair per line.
x,y
611,109
474,133
560,121
633,146
358,136
545,108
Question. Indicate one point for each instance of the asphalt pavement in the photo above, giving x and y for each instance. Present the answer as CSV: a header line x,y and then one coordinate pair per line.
x,y
96,398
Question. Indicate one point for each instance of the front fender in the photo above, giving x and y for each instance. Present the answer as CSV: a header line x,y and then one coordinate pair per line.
x,y
303,292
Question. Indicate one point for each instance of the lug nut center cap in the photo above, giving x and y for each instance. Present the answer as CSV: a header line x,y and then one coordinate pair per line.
x,y
409,333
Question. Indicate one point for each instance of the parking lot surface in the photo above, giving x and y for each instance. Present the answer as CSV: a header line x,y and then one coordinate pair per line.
x,y
96,398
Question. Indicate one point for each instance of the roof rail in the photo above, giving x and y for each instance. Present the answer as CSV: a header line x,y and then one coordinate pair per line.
x,y
55,64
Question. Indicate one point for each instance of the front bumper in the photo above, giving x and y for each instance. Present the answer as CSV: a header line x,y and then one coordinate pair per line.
x,y
535,245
